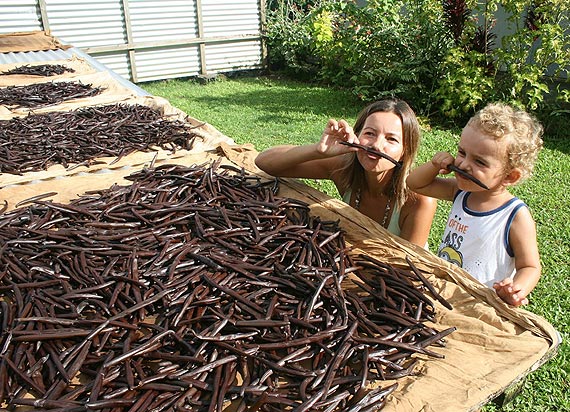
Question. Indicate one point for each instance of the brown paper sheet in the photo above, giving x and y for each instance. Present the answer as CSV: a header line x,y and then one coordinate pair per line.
x,y
494,345
29,41
69,184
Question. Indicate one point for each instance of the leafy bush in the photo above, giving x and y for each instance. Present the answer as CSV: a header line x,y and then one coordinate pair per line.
x,y
440,54
464,85
384,48
289,38
538,46
519,70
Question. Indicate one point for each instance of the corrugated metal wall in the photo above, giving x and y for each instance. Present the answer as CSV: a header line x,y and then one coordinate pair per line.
x,y
19,15
145,40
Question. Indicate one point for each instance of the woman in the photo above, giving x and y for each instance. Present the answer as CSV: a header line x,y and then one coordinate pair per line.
x,y
370,183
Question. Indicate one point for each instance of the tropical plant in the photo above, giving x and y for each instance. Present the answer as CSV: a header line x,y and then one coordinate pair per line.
x,y
443,54
536,54
289,38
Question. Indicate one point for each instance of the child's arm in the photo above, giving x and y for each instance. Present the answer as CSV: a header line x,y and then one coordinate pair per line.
x,y
522,237
416,218
310,161
423,179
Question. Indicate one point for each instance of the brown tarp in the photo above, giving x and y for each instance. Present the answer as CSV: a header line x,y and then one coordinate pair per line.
x,y
493,347
208,136
29,41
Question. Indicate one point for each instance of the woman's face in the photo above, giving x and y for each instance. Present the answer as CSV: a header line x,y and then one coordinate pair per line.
x,y
384,132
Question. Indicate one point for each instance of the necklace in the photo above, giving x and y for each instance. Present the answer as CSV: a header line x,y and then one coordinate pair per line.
x,y
386,209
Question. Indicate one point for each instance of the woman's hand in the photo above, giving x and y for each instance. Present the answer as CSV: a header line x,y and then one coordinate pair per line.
x,y
310,161
334,133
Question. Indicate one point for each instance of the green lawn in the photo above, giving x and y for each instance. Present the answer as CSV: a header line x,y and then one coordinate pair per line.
x,y
268,111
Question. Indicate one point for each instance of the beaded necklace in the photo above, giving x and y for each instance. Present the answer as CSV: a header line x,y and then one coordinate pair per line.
x,y
386,209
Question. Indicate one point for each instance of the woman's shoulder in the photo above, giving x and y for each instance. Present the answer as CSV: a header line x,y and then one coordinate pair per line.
x,y
417,204
415,200
416,216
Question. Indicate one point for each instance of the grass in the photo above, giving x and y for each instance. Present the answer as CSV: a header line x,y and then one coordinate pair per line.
x,y
266,111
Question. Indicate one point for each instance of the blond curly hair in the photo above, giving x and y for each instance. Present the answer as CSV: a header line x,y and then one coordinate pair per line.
x,y
521,131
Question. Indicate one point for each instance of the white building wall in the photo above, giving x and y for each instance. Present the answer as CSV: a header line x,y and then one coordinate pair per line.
x,y
19,15
145,40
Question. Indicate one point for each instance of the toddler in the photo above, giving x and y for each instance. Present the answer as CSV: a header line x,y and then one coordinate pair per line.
x,y
490,233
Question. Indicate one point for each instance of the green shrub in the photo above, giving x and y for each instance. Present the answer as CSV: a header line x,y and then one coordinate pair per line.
x,y
517,71
536,51
440,55
289,39
382,49
464,85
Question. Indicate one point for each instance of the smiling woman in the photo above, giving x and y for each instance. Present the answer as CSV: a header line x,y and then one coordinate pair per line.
x,y
368,165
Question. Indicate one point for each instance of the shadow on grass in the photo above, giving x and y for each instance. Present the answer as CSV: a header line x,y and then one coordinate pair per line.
x,y
558,143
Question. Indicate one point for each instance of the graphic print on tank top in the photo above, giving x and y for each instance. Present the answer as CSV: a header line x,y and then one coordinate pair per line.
x,y
449,248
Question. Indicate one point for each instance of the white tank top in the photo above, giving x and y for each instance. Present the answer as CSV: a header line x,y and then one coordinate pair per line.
x,y
479,241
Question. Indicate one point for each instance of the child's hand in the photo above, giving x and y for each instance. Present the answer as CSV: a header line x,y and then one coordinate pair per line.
x,y
510,292
442,160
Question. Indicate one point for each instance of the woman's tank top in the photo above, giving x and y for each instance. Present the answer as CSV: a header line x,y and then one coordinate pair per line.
x,y
393,226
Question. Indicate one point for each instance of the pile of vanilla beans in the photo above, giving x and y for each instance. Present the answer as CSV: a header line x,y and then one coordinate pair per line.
x,y
37,95
195,288
45,70
79,137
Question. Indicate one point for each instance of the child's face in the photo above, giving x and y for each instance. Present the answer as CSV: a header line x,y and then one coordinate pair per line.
x,y
481,155
384,132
